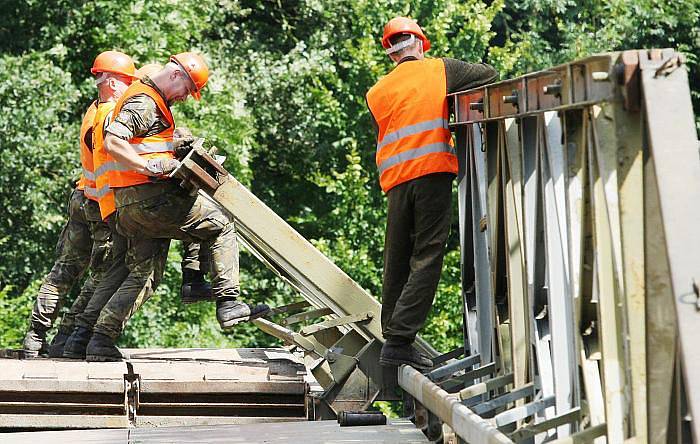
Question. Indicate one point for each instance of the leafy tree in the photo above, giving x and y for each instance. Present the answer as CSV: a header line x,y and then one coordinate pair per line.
x,y
286,105
38,162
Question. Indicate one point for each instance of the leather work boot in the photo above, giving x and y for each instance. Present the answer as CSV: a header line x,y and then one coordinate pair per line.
x,y
194,288
57,344
77,343
230,312
101,348
393,355
34,344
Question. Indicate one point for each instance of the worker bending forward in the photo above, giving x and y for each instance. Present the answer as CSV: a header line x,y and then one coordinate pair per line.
x,y
152,209
417,164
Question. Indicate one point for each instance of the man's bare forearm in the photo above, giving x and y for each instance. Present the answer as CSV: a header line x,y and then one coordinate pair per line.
x,y
123,153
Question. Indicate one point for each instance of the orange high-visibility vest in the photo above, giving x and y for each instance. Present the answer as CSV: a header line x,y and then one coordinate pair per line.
x,y
104,163
152,147
87,177
410,107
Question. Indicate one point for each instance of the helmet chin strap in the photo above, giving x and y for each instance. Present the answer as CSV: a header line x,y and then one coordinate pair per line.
x,y
401,45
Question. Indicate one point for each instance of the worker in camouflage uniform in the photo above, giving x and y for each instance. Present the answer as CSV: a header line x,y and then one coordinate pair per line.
x,y
85,239
194,287
152,209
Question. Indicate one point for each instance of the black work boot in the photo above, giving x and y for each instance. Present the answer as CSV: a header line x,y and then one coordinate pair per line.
x,y
34,344
194,288
101,348
77,343
230,312
394,354
57,344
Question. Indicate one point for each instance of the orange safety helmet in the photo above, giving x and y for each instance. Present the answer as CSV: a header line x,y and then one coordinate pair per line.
x,y
115,62
403,25
148,70
195,67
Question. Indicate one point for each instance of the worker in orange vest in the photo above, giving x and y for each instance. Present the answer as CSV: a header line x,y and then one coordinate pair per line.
x,y
85,239
104,166
417,164
152,209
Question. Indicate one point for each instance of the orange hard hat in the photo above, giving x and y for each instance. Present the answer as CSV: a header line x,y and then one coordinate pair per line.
x,y
115,62
403,25
195,67
148,70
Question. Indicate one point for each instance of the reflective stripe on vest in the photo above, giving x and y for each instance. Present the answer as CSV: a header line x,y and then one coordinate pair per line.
x,y
110,165
415,153
151,147
103,162
89,175
410,130
97,193
87,178
409,106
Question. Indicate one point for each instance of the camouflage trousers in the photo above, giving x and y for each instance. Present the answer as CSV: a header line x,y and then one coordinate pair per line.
x,y
114,277
150,215
111,280
85,241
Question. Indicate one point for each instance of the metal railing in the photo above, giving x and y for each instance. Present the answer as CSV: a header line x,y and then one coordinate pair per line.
x,y
579,194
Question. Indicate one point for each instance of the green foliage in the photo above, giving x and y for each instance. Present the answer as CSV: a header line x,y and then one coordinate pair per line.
x,y
285,103
14,312
38,162
357,224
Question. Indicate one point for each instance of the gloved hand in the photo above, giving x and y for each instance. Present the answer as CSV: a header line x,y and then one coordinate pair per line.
x,y
181,131
182,146
162,167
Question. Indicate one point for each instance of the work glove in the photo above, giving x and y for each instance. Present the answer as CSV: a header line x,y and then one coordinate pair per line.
x,y
182,146
181,131
162,167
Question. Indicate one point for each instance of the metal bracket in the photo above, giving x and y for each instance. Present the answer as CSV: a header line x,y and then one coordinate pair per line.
x,y
131,392
454,367
293,307
343,320
306,315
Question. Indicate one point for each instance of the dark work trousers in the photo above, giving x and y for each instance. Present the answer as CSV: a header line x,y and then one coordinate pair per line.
x,y
417,226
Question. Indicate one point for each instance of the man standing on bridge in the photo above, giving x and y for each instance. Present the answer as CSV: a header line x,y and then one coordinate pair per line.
x,y
417,163
152,209
85,239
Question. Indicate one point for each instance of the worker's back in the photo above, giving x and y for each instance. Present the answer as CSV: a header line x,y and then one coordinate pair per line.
x,y
410,107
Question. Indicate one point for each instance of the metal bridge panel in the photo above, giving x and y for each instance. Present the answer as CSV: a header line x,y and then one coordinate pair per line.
x,y
605,235
560,313
484,296
609,303
517,285
674,147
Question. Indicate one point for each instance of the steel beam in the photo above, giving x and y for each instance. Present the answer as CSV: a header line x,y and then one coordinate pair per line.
x,y
673,145
467,425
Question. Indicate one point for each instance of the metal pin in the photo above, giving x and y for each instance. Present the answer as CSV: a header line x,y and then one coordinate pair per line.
x,y
512,99
554,89
477,106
